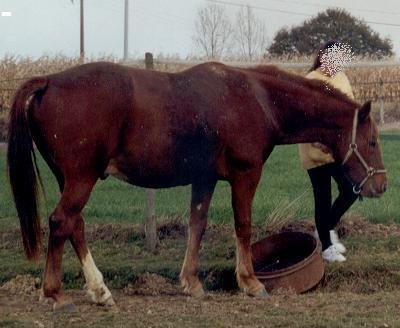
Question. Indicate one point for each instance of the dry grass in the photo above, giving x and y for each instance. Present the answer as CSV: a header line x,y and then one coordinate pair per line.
x,y
15,70
376,83
282,213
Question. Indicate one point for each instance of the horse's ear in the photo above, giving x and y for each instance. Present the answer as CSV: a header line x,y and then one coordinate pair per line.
x,y
364,111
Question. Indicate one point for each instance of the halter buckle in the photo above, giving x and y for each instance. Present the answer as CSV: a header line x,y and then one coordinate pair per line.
x,y
356,189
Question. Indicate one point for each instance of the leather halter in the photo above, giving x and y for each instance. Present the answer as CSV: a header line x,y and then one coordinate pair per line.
x,y
353,149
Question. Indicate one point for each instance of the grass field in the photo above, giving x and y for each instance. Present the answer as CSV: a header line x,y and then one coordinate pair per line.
x,y
362,292
284,190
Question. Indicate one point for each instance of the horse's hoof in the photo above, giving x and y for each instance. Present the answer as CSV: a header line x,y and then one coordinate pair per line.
x,y
109,302
101,297
194,292
198,293
65,308
261,294
110,305
45,300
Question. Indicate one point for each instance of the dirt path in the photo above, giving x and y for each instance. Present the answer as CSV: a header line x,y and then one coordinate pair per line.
x,y
214,310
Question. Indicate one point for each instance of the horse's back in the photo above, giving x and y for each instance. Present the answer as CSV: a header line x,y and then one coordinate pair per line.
x,y
153,127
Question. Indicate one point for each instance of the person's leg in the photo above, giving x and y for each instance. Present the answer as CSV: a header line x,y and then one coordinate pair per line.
x,y
321,182
346,196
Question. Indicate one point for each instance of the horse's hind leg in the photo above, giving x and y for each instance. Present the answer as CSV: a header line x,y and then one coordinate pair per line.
x,y
63,221
95,286
244,185
201,196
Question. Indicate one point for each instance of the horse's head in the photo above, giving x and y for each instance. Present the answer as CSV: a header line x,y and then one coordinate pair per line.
x,y
361,155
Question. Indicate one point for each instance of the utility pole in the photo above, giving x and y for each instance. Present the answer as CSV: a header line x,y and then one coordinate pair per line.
x,y
150,226
82,52
126,29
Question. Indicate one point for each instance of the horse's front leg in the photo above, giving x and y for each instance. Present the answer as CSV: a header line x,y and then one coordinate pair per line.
x,y
201,196
244,185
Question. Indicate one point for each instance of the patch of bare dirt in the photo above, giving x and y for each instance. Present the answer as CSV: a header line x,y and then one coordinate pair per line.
x,y
174,228
354,225
151,284
166,228
117,232
22,285
299,225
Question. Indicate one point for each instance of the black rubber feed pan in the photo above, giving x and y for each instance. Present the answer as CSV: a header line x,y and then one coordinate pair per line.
x,y
288,260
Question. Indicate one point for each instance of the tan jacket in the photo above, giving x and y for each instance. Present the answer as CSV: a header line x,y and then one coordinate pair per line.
x,y
311,154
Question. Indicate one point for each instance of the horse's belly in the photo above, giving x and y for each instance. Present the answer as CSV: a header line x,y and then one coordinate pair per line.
x,y
169,175
113,170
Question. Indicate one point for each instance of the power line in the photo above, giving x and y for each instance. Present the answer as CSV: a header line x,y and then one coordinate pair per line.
x,y
330,6
164,14
164,17
286,11
379,23
111,7
258,7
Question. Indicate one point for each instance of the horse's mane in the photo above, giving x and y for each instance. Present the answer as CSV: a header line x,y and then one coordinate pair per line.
x,y
317,85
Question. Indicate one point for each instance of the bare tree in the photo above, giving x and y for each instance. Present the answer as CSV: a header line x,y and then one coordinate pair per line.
x,y
213,31
250,34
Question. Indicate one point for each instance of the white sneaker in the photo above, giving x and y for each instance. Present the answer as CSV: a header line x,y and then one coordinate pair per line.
x,y
335,241
331,254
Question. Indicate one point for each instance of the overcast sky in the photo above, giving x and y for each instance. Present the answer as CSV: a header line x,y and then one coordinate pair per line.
x,y
48,27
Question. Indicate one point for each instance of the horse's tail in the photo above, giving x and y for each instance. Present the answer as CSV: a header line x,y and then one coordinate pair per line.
x,y
22,167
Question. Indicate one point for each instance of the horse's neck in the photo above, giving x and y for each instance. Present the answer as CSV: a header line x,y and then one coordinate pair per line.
x,y
311,120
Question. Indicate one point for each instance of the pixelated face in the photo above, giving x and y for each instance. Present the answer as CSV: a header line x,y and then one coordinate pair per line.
x,y
336,58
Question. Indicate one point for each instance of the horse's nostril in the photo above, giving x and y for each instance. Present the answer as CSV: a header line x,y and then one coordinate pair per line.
x,y
384,187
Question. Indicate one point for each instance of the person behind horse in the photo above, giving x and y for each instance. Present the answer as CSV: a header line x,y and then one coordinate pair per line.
x,y
321,167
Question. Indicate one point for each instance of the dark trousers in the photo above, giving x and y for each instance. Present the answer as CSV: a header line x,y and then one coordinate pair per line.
x,y
327,215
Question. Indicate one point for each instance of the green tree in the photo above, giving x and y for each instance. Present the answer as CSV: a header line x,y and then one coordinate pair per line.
x,y
336,24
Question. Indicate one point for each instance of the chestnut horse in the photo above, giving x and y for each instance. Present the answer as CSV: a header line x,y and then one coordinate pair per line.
x,y
158,130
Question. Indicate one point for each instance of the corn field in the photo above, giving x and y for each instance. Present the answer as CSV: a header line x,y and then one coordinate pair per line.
x,y
371,81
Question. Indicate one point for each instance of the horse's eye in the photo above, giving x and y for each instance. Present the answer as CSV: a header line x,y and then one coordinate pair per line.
x,y
372,143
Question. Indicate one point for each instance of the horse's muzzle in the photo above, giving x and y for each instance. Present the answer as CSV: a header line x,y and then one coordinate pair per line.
x,y
374,188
